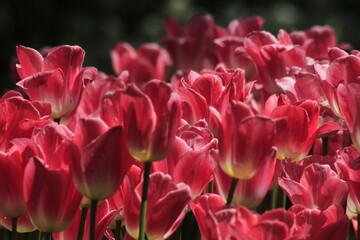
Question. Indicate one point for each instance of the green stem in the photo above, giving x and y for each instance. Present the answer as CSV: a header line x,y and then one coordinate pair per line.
x,y
284,200
274,196
14,228
144,201
231,191
84,211
57,120
118,235
325,146
46,236
358,227
93,218
211,187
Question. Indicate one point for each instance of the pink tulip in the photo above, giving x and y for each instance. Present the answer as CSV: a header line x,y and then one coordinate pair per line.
x,y
191,147
24,224
347,161
248,192
330,223
60,69
189,46
349,100
150,138
50,208
272,57
149,62
313,186
297,128
201,206
315,41
98,173
166,206
239,127
19,117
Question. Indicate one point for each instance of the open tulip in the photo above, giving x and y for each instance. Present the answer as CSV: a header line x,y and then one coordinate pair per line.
x,y
19,117
348,162
313,186
60,69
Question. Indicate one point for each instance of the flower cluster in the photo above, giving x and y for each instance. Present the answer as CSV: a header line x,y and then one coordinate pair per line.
x,y
249,135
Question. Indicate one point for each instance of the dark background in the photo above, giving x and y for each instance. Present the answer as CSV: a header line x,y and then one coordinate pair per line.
x,y
96,25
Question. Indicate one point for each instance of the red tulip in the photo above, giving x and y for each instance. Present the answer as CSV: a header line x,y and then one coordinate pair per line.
x,y
24,224
349,100
331,223
12,169
166,206
150,138
272,57
348,162
149,62
201,206
93,98
191,147
240,128
189,47
96,167
232,39
60,69
248,192
344,69
50,208
316,41
19,117
313,186
297,128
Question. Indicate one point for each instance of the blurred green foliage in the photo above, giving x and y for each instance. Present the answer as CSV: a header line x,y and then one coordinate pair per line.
x,y
96,25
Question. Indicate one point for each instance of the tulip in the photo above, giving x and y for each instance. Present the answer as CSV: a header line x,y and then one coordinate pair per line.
x,y
330,223
19,117
240,128
192,146
316,41
201,206
149,62
50,209
248,192
348,162
189,46
297,128
150,138
349,100
313,186
97,173
60,69
272,57
166,206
